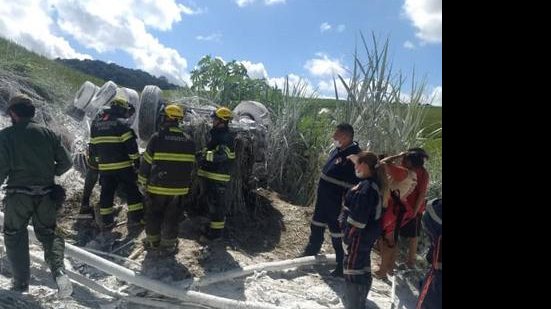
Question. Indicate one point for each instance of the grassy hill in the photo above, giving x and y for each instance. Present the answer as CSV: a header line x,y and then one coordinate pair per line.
x,y
55,82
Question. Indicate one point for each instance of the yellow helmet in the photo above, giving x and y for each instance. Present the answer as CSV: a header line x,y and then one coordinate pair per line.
x,y
173,111
120,101
223,113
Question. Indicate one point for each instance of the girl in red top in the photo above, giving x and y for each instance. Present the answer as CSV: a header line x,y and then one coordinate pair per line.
x,y
409,184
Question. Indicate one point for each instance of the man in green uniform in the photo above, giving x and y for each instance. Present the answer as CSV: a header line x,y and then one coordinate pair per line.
x,y
30,156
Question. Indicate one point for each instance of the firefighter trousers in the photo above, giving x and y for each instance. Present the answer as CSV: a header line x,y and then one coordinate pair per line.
x,y
162,215
127,178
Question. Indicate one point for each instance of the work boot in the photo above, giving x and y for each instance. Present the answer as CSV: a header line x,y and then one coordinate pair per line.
x,y
169,247
150,245
86,212
20,287
64,285
338,272
214,234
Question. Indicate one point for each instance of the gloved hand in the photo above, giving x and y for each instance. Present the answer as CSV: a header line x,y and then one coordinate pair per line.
x,y
199,155
142,190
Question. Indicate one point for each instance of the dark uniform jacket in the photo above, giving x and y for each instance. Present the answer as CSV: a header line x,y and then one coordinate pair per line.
x,y
219,165
31,155
112,143
168,162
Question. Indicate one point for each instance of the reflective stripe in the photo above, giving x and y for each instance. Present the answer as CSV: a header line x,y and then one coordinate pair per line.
x,y
175,130
214,176
153,238
316,223
433,214
169,242
209,156
357,271
180,157
135,207
126,136
142,180
336,181
346,208
105,140
355,223
167,191
353,272
106,211
134,156
217,225
147,157
114,166
226,149
337,235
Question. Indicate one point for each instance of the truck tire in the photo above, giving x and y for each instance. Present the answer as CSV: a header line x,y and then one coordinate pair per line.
x,y
104,95
148,113
85,95
255,110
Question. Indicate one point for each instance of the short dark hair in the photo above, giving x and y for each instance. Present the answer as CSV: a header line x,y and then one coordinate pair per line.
x,y
22,106
416,156
347,129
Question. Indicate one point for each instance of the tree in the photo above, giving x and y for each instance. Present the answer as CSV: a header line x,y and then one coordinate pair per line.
x,y
228,83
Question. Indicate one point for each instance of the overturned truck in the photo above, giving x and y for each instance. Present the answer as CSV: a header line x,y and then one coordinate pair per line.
x,y
249,126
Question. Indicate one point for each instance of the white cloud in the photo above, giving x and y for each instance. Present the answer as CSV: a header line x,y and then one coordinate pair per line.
x,y
243,3
294,81
426,16
324,66
271,2
409,45
327,89
102,25
29,24
255,70
123,26
216,37
325,27
436,96
341,28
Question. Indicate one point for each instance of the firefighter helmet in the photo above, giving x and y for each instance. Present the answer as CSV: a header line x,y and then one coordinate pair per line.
x,y
223,113
173,111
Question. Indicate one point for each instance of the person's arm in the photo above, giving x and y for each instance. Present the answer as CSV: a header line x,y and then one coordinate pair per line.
x,y
61,156
389,160
4,160
147,160
128,137
423,185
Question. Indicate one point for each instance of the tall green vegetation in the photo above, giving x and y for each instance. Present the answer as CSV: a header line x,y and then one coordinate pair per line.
x,y
228,83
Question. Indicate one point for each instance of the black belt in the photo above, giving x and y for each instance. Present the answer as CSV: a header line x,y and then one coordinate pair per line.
x,y
30,190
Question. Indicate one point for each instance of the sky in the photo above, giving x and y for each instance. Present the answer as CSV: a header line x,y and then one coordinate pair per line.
x,y
312,40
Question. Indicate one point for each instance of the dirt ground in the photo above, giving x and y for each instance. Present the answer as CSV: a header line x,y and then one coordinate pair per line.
x,y
278,231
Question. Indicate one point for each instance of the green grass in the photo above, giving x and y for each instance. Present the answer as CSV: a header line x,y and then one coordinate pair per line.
x,y
55,82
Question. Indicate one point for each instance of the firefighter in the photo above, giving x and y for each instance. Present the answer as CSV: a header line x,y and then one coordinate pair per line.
x,y
361,226
113,145
430,296
336,178
92,175
165,174
215,163
30,156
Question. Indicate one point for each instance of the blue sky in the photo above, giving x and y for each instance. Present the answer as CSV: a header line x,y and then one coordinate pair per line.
x,y
309,39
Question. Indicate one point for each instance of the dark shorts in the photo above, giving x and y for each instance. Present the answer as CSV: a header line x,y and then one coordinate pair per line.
x,y
412,228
